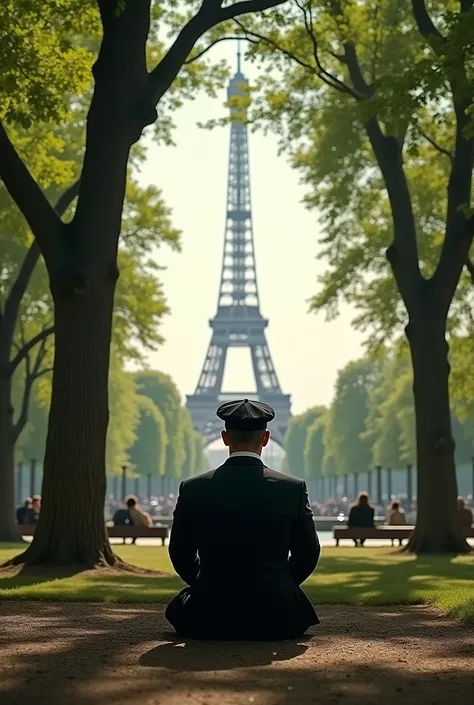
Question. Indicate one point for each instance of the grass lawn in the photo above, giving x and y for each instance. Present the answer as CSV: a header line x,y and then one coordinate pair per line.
x,y
358,576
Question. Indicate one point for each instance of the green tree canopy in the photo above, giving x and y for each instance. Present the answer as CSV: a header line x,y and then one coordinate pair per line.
x,y
41,62
189,440
148,453
161,389
314,100
295,439
202,462
344,434
390,423
124,418
314,447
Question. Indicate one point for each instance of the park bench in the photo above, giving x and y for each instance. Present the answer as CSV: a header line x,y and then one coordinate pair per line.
x,y
392,533
118,532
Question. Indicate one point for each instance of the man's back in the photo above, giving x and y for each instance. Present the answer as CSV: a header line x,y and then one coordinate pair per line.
x,y
232,534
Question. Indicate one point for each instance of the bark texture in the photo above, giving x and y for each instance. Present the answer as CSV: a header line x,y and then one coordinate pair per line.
x,y
71,528
437,528
8,531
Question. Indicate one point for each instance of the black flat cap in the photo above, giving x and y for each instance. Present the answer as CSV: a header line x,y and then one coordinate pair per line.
x,y
245,415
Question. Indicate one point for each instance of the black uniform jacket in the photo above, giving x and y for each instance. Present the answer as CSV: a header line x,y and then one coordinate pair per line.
x,y
243,539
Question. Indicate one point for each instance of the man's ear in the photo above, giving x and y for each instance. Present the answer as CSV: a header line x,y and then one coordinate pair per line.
x,y
225,438
266,438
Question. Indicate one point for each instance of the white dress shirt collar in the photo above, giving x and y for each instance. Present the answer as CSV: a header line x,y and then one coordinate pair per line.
x,y
243,453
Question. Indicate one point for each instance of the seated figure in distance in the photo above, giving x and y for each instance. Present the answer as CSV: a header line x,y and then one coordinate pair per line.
x,y
396,516
464,513
361,516
243,539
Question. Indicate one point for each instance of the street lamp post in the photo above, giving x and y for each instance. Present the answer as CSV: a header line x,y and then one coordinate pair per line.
x,y
32,476
148,489
19,483
389,484
379,485
124,482
409,485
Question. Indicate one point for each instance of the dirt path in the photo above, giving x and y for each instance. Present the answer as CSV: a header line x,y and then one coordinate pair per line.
x,y
95,654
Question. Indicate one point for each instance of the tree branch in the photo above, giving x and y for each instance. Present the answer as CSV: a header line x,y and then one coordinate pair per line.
x,y
21,282
437,146
403,252
32,374
322,74
28,346
30,199
17,291
209,15
355,71
213,44
426,26
459,233
25,406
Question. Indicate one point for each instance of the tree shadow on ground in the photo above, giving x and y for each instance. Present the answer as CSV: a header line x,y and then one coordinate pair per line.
x,y
92,654
393,580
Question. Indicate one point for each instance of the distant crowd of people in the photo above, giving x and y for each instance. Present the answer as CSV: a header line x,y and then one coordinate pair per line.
x,y
360,514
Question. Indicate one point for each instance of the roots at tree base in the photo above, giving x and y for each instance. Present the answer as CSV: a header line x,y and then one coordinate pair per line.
x,y
421,543
60,553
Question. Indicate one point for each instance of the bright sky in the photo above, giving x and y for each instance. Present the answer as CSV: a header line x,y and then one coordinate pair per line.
x,y
306,351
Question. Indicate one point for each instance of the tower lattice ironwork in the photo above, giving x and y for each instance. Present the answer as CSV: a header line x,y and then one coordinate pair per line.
x,y
238,321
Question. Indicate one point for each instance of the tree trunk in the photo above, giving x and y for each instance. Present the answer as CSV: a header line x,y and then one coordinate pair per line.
x,y
8,530
437,527
71,530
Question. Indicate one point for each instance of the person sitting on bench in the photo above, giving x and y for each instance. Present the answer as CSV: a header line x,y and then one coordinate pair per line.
x,y
243,539
396,516
137,517
361,516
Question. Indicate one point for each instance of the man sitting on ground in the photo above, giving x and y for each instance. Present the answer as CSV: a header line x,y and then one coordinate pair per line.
x,y
243,539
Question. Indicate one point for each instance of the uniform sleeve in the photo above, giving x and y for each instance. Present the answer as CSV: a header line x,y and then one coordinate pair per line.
x,y
182,548
305,548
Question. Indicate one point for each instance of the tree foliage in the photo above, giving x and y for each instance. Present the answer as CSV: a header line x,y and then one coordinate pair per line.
x,y
344,431
160,388
295,439
148,453
319,59
41,61
371,420
314,449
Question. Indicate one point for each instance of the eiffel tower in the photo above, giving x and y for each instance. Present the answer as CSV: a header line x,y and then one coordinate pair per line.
x,y
238,321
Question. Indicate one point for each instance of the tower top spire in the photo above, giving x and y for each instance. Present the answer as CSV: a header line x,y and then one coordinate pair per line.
x,y
239,57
